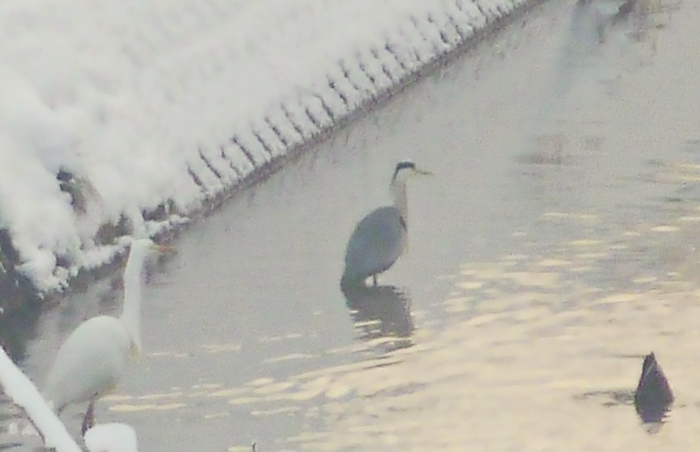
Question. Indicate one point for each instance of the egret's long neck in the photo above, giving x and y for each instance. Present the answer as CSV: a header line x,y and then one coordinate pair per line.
x,y
133,280
398,192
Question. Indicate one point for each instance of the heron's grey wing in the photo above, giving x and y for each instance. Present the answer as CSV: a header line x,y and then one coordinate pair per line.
x,y
375,244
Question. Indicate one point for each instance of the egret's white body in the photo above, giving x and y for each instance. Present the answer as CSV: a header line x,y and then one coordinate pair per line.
x,y
92,360
381,237
90,363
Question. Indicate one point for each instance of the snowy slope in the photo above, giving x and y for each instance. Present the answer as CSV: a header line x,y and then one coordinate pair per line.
x,y
156,106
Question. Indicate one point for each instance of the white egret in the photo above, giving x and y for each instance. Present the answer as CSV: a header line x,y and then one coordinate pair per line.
x,y
92,360
381,237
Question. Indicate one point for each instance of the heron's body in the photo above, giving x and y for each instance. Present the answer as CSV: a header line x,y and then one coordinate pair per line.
x,y
105,361
381,237
375,244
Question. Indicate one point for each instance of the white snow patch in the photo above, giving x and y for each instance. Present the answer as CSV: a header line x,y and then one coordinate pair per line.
x,y
114,437
170,102
24,394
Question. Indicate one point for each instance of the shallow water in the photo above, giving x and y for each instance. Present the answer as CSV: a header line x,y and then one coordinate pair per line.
x,y
554,248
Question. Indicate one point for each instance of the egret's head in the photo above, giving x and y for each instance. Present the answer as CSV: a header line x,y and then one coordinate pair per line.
x,y
145,249
405,169
162,249
145,245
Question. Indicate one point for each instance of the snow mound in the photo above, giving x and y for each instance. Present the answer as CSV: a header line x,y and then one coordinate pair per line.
x,y
121,116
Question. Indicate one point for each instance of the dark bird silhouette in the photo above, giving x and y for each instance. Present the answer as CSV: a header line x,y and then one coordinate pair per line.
x,y
653,396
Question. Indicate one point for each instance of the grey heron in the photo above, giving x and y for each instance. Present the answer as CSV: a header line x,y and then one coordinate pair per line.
x,y
382,236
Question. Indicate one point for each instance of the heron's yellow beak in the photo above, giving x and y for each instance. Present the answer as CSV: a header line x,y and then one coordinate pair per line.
x,y
422,172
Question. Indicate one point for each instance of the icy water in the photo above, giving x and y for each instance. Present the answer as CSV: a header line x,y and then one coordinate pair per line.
x,y
555,246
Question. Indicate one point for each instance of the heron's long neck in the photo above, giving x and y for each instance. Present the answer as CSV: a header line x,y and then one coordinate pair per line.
x,y
398,191
133,280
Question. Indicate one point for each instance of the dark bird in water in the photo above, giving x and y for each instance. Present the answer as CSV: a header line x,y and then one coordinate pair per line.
x,y
382,236
653,395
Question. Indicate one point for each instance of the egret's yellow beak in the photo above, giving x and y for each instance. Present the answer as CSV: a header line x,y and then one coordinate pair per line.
x,y
136,351
423,172
164,249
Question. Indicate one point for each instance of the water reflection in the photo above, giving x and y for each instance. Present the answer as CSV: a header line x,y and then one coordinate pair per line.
x,y
597,28
609,398
652,417
381,311
595,17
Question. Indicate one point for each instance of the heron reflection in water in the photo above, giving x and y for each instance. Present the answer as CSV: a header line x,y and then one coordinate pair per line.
x,y
381,311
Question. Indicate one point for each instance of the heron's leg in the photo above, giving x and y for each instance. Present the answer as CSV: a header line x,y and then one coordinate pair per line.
x,y
89,419
374,278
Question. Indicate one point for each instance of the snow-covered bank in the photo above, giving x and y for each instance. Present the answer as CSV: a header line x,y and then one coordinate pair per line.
x,y
133,114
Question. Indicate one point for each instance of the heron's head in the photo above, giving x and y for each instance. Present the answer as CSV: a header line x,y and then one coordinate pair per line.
x,y
405,169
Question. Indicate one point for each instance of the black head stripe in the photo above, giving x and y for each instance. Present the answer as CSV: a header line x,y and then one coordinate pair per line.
x,y
406,164
402,220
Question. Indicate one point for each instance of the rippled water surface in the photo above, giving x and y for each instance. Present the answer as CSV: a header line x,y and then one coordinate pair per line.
x,y
554,248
